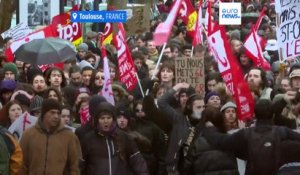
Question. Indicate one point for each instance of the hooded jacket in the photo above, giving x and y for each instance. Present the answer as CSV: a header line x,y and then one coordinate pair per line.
x,y
50,153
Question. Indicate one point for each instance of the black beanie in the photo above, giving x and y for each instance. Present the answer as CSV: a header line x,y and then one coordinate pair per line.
x,y
94,102
104,107
50,104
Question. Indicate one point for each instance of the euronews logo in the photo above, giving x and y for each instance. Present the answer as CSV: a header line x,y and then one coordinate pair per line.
x,y
230,13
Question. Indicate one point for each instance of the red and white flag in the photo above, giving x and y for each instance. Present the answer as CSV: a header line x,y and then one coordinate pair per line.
x,y
107,36
163,30
127,72
254,44
40,34
231,72
106,91
189,16
198,39
84,115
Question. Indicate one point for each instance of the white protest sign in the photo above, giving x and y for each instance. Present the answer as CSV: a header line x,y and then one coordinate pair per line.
x,y
288,31
19,31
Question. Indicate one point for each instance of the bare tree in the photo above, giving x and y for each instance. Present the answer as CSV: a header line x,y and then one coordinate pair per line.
x,y
7,7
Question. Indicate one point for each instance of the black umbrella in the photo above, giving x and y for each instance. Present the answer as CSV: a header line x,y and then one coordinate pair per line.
x,y
46,51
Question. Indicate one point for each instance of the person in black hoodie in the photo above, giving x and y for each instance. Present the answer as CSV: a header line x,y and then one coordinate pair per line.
x,y
241,143
107,149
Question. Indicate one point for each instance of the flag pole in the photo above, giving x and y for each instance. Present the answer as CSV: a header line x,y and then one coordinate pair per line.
x,y
140,85
192,51
157,64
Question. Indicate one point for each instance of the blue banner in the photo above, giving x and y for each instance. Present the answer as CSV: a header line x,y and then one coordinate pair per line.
x,y
98,16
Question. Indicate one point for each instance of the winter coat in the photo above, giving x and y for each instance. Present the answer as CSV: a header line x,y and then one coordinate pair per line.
x,y
56,153
154,155
238,142
203,159
179,132
283,114
111,155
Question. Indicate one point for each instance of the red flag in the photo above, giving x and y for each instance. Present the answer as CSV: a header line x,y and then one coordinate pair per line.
x,y
231,72
84,115
127,72
253,45
43,33
163,30
198,39
189,16
106,91
106,36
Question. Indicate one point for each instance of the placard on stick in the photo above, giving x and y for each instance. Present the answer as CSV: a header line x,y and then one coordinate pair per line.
x,y
191,71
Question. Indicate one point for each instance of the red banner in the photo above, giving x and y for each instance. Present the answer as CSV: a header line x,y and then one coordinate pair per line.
x,y
66,29
106,36
197,38
189,16
231,72
127,72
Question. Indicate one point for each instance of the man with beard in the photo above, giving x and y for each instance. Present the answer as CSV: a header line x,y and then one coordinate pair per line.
x,y
49,147
258,79
75,76
183,125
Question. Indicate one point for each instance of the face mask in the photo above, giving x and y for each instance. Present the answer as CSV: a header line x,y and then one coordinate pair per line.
x,y
197,115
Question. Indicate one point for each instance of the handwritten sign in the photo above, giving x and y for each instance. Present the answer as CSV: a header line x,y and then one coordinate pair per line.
x,y
19,31
191,70
288,31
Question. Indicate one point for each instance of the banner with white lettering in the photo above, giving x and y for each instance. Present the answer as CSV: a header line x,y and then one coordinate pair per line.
x,y
288,31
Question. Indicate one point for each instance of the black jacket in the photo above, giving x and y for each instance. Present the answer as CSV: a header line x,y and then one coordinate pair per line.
x,y
111,155
238,142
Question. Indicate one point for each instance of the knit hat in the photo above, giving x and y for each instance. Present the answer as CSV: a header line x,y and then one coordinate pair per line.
x,y
23,99
122,110
208,95
94,102
8,85
50,104
228,105
83,47
104,107
36,103
84,64
11,67
82,90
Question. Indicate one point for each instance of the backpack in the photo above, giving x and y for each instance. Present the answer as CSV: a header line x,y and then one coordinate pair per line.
x,y
6,150
263,151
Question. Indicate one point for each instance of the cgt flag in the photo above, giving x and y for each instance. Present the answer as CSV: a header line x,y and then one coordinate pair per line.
x,y
127,72
231,72
198,38
189,16
107,36
253,45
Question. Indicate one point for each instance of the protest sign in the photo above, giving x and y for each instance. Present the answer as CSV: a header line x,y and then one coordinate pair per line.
x,y
288,31
191,71
140,21
19,31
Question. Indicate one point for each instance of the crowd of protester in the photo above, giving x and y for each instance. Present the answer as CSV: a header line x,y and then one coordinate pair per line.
x,y
170,130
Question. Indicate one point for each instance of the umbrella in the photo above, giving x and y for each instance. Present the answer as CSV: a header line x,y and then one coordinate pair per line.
x,y
46,51
252,17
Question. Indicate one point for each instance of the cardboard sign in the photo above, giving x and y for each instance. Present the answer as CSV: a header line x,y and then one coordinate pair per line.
x,y
19,31
191,71
288,33
140,21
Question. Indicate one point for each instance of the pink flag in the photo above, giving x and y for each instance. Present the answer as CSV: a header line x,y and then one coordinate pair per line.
x,y
127,72
43,33
163,30
198,39
106,91
231,72
253,45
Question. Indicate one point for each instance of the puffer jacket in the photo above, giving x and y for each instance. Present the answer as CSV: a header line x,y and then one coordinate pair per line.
x,y
52,153
111,155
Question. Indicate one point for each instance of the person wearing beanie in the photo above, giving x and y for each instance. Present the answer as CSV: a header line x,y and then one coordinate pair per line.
x,y
36,105
10,71
212,99
7,87
82,51
98,147
123,117
263,136
84,129
54,149
230,116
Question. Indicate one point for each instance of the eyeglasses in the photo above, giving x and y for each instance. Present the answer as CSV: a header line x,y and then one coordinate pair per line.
x,y
97,78
139,110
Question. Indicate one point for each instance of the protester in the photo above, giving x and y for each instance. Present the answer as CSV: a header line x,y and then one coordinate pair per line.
x,y
41,155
